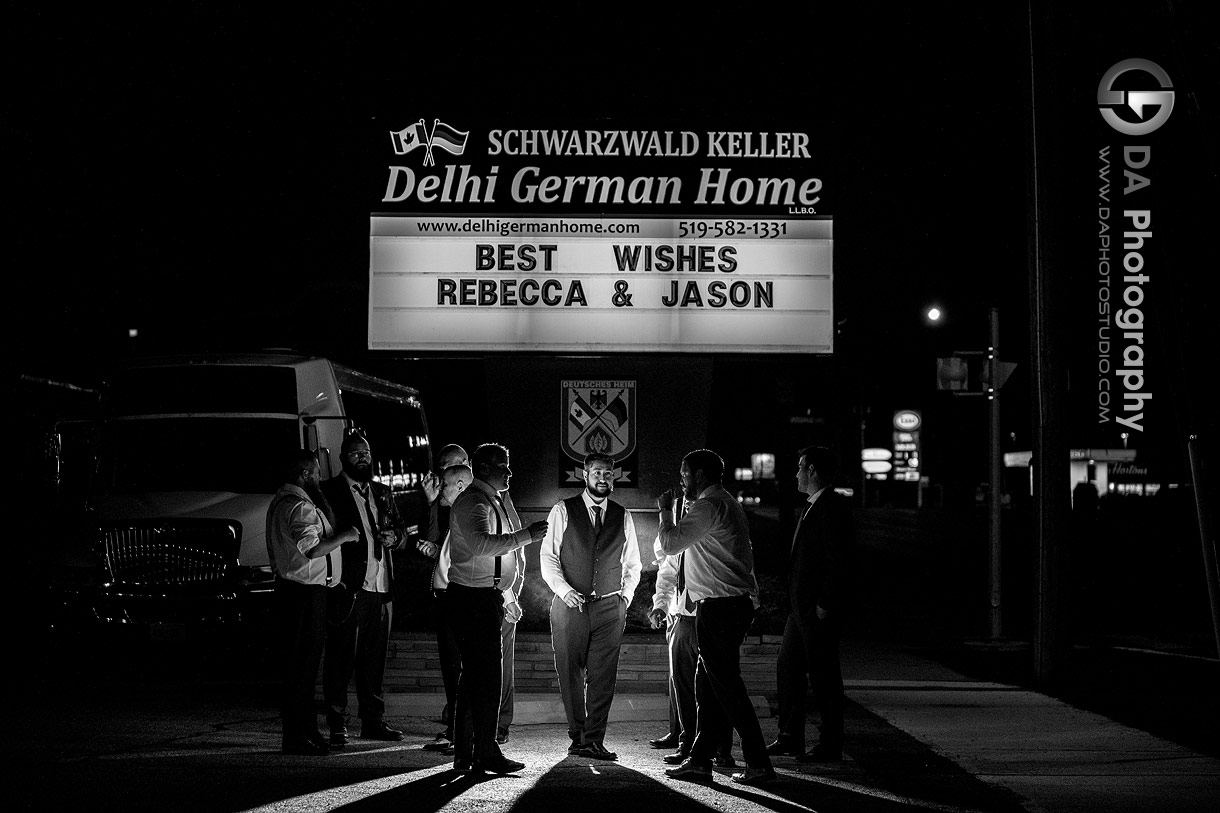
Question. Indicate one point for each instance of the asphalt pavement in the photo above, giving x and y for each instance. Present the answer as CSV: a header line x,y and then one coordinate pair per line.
x,y
179,731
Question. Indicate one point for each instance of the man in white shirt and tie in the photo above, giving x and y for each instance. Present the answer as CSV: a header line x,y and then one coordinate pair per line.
x,y
590,559
716,568
304,549
486,564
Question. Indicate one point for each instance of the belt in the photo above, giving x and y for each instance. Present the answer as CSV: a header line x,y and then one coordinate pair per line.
x,y
737,597
595,596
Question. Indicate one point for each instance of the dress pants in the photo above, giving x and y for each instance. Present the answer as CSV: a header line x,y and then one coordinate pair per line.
x,y
586,643
447,648
477,614
358,646
301,623
675,713
810,653
683,662
508,665
721,698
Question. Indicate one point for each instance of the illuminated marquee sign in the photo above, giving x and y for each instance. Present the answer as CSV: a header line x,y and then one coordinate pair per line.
x,y
597,239
598,284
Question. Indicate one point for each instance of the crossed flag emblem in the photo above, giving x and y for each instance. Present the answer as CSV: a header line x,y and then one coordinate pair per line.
x,y
449,139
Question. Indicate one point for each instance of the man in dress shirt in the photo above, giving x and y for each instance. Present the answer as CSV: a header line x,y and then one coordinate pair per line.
x,y
669,608
817,579
454,480
591,561
716,571
453,475
304,550
361,609
485,539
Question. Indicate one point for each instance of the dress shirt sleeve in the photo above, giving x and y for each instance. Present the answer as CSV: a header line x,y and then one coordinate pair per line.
x,y
440,576
513,591
548,554
698,522
631,559
476,518
304,525
667,583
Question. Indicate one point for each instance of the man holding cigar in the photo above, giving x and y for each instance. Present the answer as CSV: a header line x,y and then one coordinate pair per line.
x,y
716,572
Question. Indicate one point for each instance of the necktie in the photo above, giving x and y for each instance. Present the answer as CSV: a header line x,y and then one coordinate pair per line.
x,y
796,534
367,492
327,529
682,596
597,521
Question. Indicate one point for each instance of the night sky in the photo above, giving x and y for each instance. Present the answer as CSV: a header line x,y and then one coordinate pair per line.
x,y
203,173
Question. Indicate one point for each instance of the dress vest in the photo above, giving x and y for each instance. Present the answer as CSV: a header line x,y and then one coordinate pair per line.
x,y
590,563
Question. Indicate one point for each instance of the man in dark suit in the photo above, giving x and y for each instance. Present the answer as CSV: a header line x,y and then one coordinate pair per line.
x,y
817,580
361,609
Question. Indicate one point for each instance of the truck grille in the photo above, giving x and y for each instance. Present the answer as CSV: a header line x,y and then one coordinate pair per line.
x,y
196,553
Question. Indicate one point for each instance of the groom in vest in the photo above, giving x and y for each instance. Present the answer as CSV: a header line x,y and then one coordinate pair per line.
x,y
591,561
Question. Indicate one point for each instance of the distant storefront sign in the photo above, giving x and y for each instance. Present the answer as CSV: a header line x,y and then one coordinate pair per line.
x,y
906,459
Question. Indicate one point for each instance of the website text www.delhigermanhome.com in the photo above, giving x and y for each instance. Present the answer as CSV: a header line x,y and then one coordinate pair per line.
x,y
506,228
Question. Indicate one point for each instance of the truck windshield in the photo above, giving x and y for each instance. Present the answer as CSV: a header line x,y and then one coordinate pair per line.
x,y
237,454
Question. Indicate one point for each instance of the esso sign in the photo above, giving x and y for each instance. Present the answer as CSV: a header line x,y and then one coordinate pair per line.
x,y
907,421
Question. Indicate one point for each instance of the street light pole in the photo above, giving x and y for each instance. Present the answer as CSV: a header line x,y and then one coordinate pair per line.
x,y
996,472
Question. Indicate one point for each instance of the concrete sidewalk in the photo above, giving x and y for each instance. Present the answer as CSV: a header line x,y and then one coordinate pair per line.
x,y
1051,755
1055,756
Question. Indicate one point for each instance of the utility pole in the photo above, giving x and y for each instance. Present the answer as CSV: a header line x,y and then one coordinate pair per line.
x,y
994,374
996,473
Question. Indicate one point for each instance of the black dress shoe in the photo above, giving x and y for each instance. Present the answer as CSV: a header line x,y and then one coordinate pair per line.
x,y
724,761
501,766
442,743
822,753
676,758
574,747
668,741
338,738
378,730
754,776
784,746
595,750
305,748
691,770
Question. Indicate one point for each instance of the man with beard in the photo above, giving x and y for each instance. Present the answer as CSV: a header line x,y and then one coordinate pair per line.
x,y
361,610
716,573
303,547
486,559
591,561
